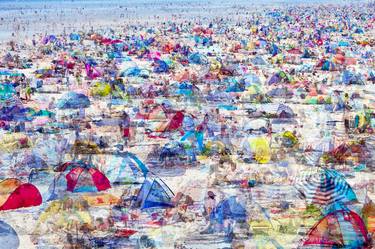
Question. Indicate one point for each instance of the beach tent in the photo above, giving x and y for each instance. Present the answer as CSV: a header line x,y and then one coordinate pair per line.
x,y
7,91
339,229
14,194
86,180
75,37
8,236
163,128
368,215
14,111
282,92
279,77
228,209
78,177
251,79
154,193
172,149
324,187
135,72
13,141
284,111
161,66
73,100
197,58
126,168
63,215
91,71
32,161
258,61
349,78
101,89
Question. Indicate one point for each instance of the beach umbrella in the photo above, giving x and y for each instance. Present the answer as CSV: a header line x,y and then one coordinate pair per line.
x,y
324,187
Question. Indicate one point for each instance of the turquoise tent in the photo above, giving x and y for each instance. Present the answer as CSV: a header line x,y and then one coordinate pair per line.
x,y
126,168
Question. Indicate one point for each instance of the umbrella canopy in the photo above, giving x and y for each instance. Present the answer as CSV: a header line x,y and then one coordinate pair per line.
x,y
324,187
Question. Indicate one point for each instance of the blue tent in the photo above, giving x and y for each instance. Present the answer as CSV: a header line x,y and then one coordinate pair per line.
x,y
351,78
197,58
126,168
234,86
154,193
73,100
135,72
8,236
274,49
173,148
14,112
306,54
228,208
161,67
344,44
258,60
184,88
74,37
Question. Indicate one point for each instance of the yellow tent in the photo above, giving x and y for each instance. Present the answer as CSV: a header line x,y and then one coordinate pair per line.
x,y
11,142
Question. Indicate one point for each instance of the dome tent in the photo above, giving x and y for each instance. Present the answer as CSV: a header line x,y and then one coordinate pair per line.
x,y
8,236
154,193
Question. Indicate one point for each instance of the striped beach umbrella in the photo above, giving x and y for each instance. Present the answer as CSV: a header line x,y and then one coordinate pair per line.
x,y
324,187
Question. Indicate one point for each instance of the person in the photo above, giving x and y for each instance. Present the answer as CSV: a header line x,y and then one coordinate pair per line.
x,y
338,102
199,132
210,203
125,128
28,92
52,104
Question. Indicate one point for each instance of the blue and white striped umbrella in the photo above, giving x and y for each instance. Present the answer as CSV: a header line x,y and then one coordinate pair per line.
x,y
324,187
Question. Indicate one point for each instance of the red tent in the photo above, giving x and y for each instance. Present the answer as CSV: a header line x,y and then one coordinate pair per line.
x,y
341,228
82,179
14,194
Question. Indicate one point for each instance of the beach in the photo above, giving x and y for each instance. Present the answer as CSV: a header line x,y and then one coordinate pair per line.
x,y
187,124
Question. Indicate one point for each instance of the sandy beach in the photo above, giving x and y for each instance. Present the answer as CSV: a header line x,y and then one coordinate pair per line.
x,y
187,124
